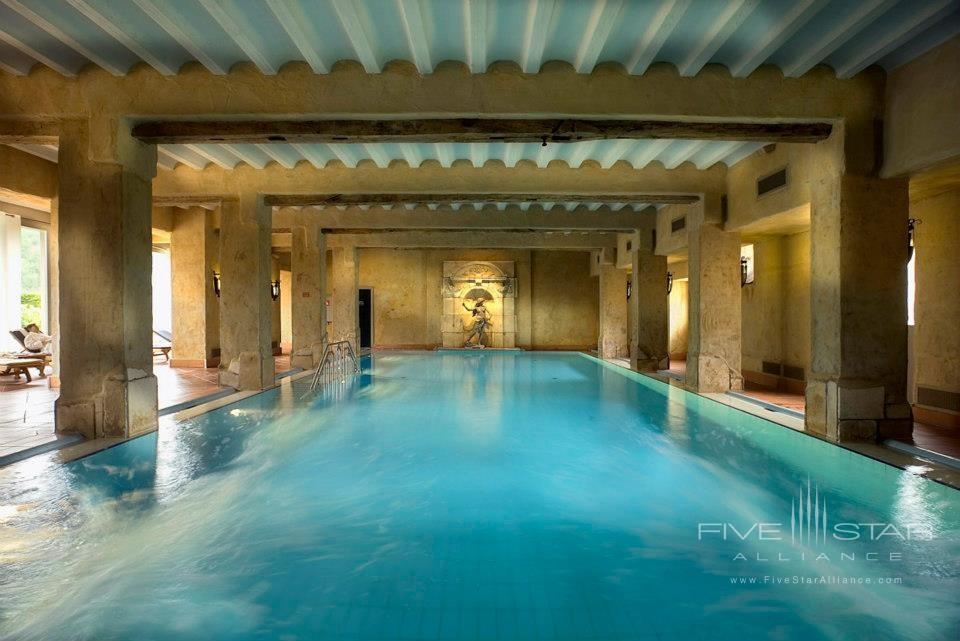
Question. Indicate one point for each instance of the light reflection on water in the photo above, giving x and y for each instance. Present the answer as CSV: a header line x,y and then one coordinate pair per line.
x,y
476,496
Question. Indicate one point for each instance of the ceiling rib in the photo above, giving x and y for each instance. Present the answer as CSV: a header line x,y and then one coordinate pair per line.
x,y
118,34
171,28
42,23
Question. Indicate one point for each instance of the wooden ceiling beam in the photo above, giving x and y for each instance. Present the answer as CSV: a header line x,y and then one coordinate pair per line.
x,y
465,130
390,199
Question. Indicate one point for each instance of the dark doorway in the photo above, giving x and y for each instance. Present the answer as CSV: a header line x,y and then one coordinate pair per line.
x,y
366,318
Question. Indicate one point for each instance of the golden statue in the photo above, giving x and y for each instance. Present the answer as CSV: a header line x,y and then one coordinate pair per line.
x,y
481,320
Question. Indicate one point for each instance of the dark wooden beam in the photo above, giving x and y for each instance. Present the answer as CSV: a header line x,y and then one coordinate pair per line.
x,y
470,130
380,200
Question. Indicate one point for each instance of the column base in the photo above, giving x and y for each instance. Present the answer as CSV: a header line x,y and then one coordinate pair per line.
x,y
249,371
123,409
855,411
649,364
707,373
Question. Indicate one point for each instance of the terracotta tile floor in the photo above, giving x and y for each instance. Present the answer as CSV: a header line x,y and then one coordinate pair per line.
x,y
943,440
795,402
26,409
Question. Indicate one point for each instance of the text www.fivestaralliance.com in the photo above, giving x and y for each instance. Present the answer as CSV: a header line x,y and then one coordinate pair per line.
x,y
818,579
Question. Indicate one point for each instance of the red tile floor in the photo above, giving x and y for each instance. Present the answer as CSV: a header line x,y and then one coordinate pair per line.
x,y
26,409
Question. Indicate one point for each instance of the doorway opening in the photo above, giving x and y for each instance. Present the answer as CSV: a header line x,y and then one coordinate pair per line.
x,y
365,315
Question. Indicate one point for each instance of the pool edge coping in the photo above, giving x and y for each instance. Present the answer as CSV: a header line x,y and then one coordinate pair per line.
x,y
936,471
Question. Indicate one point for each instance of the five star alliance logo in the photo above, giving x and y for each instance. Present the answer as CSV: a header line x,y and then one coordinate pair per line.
x,y
808,517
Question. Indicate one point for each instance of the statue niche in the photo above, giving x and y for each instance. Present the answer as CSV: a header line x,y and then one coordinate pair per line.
x,y
466,322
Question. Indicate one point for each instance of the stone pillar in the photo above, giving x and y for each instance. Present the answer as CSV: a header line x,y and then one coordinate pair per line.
x,y
649,304
196,311
613,342
344,299
107,384
308,310
856,389
713,354
246,357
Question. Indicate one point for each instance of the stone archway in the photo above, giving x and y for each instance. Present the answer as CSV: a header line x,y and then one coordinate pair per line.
x,y
467,279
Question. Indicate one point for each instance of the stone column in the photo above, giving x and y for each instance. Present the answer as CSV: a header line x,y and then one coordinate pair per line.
x,y
196,310
713,354
246,357
856,388
649,303
613,342
308,322
107,384
344,299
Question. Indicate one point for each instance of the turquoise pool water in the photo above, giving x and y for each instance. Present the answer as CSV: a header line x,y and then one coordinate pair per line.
x,y
476,496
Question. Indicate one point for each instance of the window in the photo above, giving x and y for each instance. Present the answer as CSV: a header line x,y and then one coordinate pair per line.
x,y
162,295
911,286
34,303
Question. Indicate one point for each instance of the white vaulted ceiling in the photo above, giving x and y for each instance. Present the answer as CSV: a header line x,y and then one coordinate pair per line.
x,y
794,35
637,153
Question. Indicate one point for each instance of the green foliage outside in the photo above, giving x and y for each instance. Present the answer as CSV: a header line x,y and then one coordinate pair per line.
x,y
31,277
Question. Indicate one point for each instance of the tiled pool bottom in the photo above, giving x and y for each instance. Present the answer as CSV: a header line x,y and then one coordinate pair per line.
x,y
475,496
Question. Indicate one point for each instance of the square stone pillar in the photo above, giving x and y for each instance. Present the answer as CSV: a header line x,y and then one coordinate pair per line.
x,y
106,366
194,252
246,310
614,341
308,310
856,388
714,352
649,304
344,299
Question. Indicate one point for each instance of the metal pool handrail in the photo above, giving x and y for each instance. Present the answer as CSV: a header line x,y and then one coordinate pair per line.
x,y
338,357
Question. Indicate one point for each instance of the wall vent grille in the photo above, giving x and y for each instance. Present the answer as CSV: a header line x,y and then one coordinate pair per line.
x,y
940,399
776,180
794,372
770,367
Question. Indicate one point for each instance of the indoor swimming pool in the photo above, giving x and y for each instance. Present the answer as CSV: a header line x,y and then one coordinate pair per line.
x,y
471,495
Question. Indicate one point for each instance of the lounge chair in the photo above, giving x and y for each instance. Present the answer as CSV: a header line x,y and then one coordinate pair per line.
x,y
26,353
163,350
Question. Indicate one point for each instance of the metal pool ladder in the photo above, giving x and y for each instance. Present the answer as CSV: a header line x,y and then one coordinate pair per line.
x,y
338,361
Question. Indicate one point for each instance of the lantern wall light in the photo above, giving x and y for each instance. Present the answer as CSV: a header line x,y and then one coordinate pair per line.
x,y
275,290
747,274
216,283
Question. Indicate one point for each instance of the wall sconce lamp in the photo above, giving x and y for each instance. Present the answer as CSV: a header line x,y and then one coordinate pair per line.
x,y
216,283
747,273
629,287
669,282
275,290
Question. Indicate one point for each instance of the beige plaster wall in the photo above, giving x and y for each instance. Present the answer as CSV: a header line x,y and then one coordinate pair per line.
x,y
745,208
679,319
286,311
668,241
937,306
761,304
27,174
274,307
776,307
407,302
796,300
921,126
565,301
